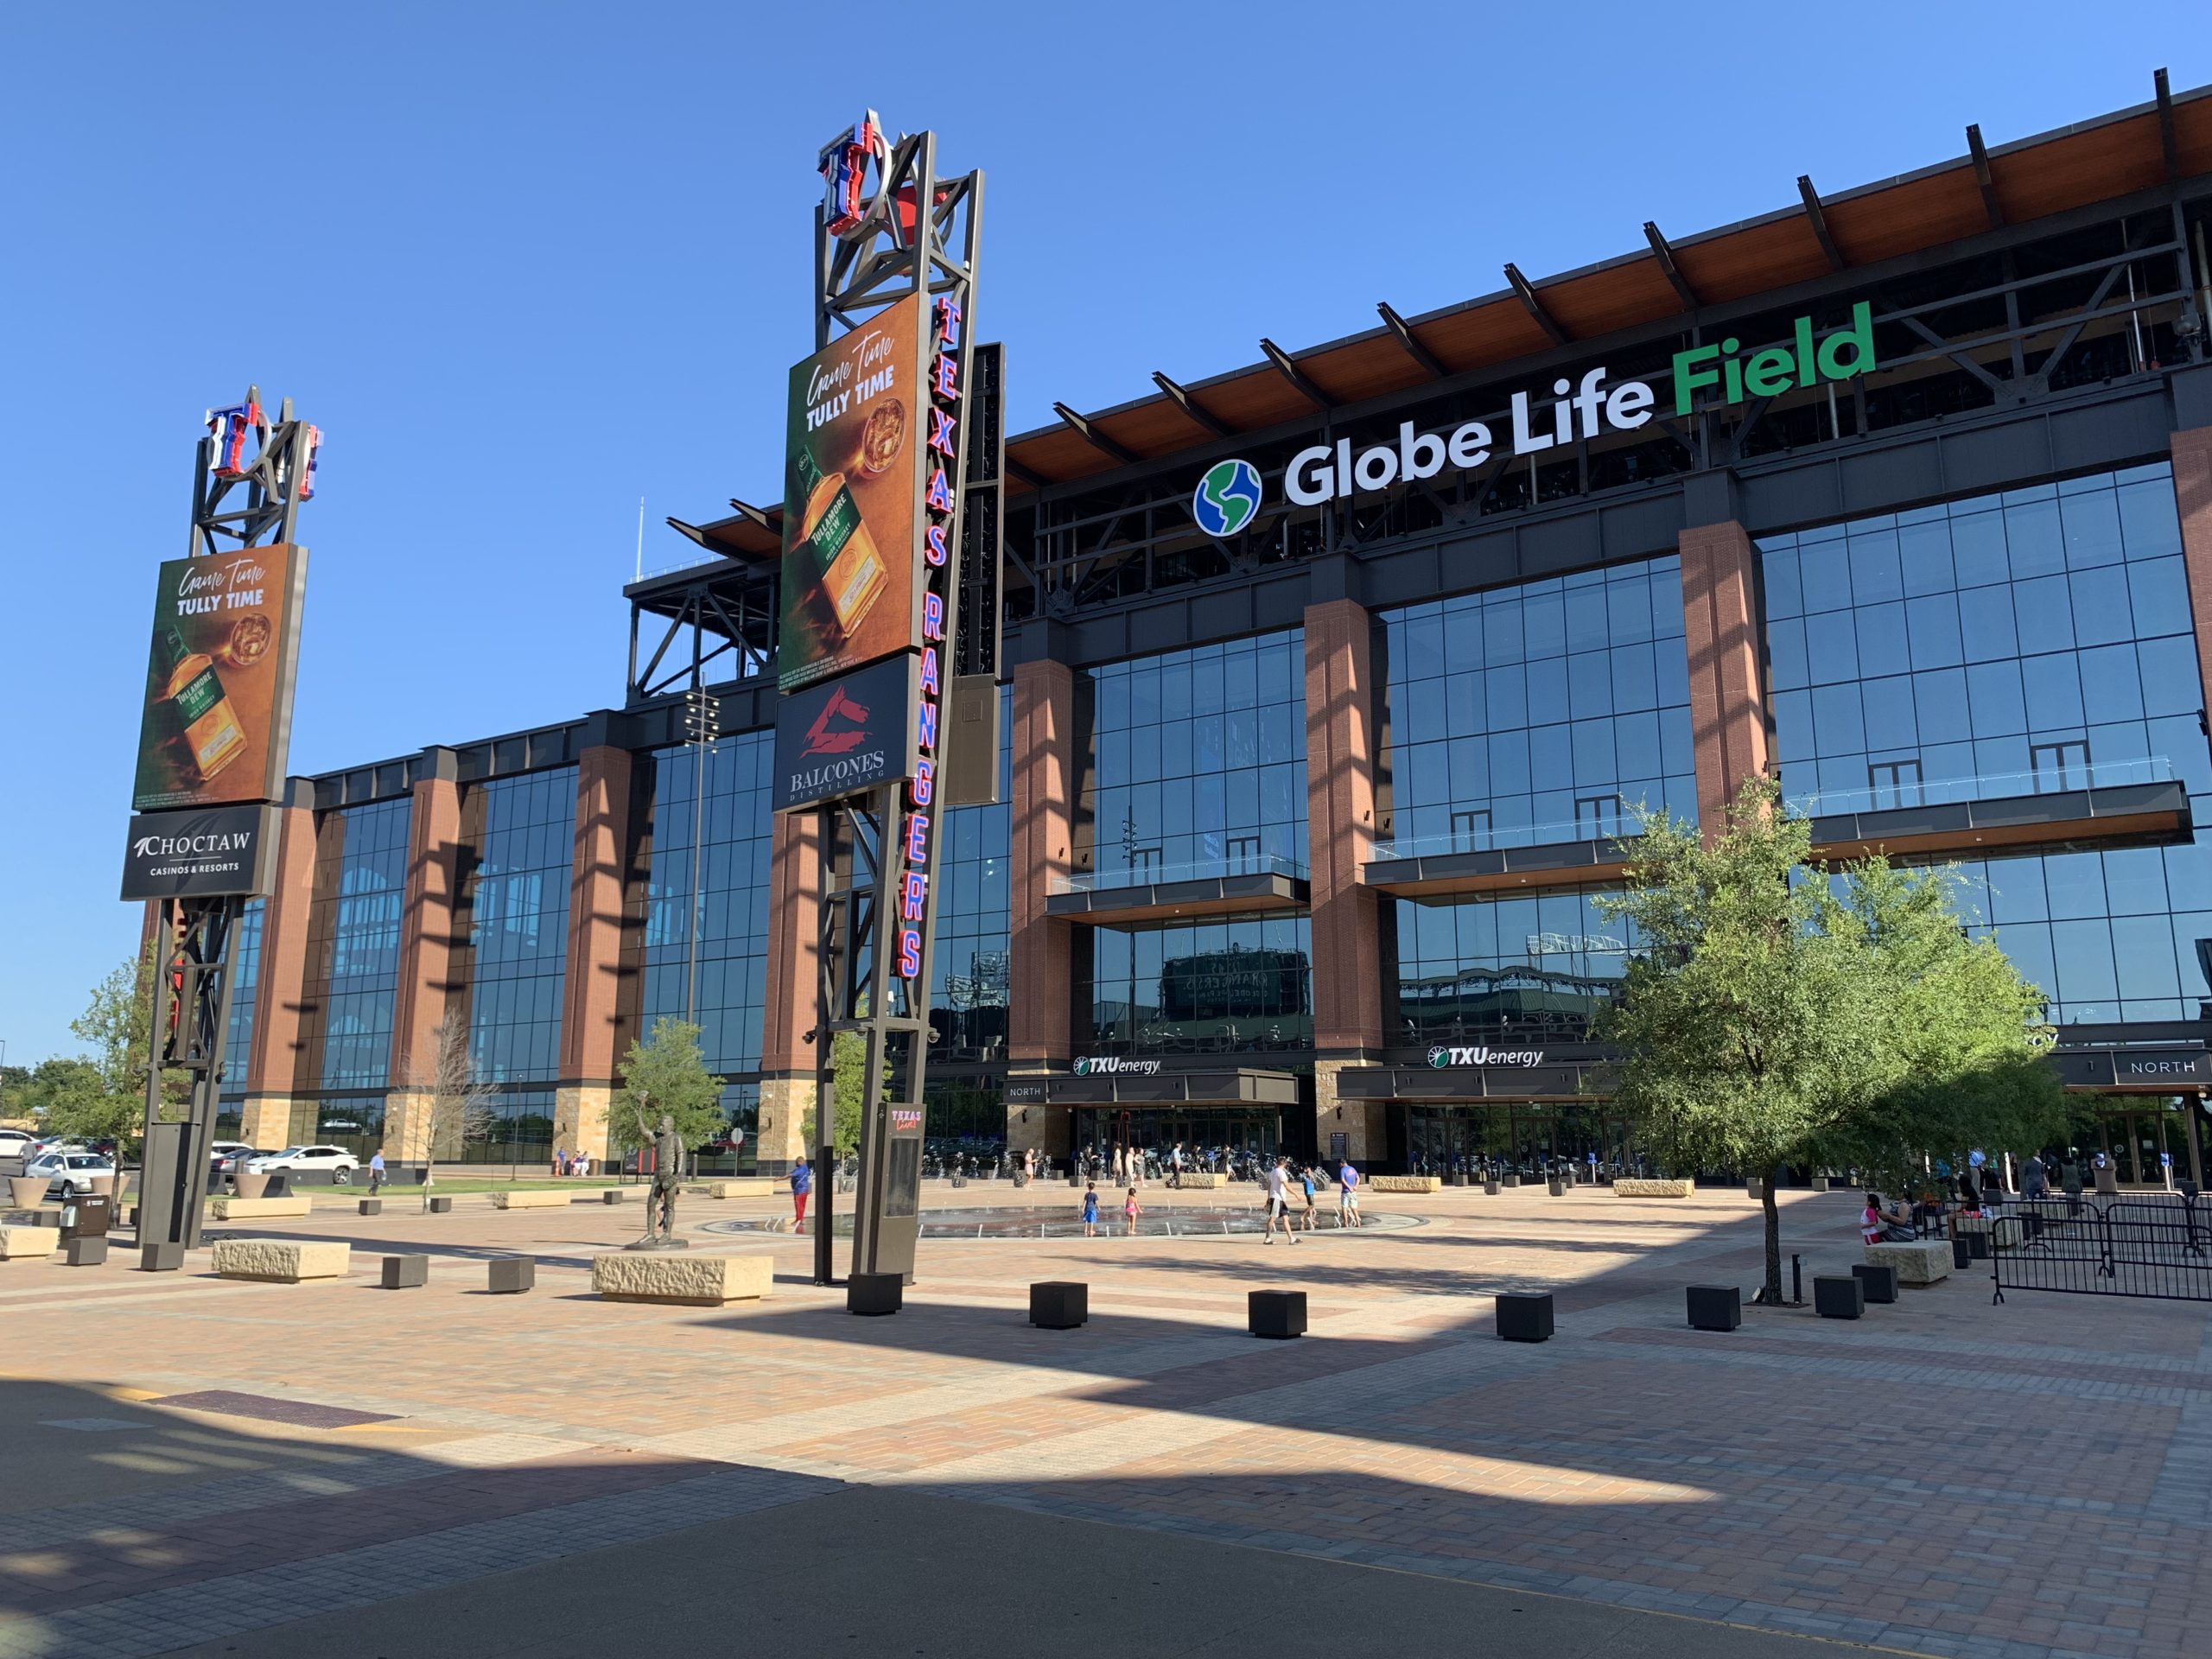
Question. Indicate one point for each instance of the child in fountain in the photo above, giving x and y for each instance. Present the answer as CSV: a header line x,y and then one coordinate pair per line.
x,y
1090,1210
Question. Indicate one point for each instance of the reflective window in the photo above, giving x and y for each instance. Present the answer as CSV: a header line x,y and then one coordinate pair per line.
x,y
729,906
353,938
245,985
1539,713
2010,643
353,1122
1197,764
2106,936
517,901
1525,970
514,1127
967,973
1235,985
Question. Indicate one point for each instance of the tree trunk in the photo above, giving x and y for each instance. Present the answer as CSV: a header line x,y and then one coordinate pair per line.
x,y
1773,1215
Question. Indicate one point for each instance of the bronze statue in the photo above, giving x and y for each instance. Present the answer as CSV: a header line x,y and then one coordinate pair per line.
x,y
668,1172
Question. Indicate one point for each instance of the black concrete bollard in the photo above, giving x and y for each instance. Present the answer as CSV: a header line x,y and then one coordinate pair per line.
x,y
1524,1318
1715,1307
440,1206
874,1294
1279,1313
371,1206
406,1272
1879,1281
1059,1304
1836,1298
160,1257
84,1252
513,1274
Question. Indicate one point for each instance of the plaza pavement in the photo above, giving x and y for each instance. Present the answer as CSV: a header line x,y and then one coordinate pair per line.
x,y
189,1465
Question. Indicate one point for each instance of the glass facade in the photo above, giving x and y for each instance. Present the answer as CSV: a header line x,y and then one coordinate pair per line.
x,y
515,1127
245,985
729,906
353,939
1233,985
1197,764
967,976
2003,645
1526,970
1539,713
517,896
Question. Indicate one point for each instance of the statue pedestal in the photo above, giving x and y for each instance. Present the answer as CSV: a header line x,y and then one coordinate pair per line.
x,y
660,1244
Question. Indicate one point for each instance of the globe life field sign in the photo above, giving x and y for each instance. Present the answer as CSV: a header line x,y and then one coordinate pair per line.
x,y
1590,405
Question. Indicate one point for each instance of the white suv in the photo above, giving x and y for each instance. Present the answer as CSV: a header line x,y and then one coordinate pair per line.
x,y
340,1163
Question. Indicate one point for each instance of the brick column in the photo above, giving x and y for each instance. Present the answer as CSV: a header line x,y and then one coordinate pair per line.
x,y
1343,728
274,1056
2193,498
425,990
1721,626
591,985
1040,950
792,995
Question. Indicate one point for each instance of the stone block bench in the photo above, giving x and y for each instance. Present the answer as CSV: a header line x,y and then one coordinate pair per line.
x,y
1403,1183
18,1239
530,1200
680,1277
261,1209
1923,1263
740,1186
281,1260
1641,1189
1193,1178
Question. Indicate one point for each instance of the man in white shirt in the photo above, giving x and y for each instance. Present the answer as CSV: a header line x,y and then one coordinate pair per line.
x,y
1278,1182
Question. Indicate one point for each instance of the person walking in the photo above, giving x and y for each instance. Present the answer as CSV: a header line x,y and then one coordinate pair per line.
x,y
1306,1182
2069,1181
1347,1195
1121,1163
1278,1185
1129,1213
802,1185
376,1172
1175,1164
2035,1180
1090,1210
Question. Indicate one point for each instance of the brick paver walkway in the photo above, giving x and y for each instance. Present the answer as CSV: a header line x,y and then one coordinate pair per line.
x,y
1944,1477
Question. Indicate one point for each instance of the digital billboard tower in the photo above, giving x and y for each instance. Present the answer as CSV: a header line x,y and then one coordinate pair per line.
x,y
212,742
876,482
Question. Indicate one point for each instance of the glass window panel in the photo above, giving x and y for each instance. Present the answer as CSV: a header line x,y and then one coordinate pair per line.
x,y
1875,574
2091,522
2033,538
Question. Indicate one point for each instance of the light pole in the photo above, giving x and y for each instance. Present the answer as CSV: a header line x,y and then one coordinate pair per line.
x,y
703,724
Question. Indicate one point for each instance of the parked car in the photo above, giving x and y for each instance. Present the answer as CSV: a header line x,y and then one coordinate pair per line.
x,y
224,1155
337,1160
18,1143
68,1174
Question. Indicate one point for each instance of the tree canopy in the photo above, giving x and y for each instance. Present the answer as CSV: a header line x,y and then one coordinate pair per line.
x,y
665,1073
1777,1014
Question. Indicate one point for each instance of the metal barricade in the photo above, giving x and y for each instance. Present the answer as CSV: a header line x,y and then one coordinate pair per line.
x,y
2154,1246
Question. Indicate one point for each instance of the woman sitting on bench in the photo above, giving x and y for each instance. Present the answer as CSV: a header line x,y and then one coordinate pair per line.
x,y
1880,1226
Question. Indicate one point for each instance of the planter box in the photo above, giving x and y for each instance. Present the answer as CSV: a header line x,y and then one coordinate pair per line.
x,y
406,1272
1916,1264
281,1260
1278,1314
1059,1304
680,1277
1839,1298
1643,1189
27,1191
16,1240
530,1200
1402,1183
1524,1318
1715,1307
250,1187
260,1209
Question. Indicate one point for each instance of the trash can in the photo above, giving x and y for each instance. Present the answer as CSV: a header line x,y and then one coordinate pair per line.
x,y
89,1216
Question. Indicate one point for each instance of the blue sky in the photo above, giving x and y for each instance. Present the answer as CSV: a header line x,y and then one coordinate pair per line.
x,y
525,264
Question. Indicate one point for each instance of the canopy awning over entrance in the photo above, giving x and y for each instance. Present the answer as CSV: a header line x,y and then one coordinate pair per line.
x,y
2147,1071
1432,1084
1238,1086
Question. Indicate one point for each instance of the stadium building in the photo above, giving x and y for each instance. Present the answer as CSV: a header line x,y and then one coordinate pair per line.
x,y
1328,686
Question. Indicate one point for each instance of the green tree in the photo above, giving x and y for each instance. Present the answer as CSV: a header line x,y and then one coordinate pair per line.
x,y
1779,1014
665,1073
1745,1022
1965,1038
848,1085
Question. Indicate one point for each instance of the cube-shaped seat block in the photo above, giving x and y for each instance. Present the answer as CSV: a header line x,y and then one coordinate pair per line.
x,y
1715,1307
1879,1280
1279,1313
406,1272
1059,1304
874,1293
513,1274
1839,1298
1524,1318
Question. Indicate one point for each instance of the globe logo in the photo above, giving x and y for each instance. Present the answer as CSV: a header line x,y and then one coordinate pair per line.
x,y
1228,498
1439,1056
1083,1068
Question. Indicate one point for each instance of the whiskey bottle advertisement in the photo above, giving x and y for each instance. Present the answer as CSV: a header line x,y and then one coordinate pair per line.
x,y
217,721
849,500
